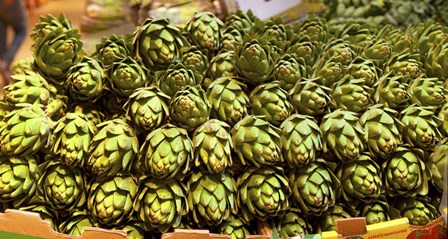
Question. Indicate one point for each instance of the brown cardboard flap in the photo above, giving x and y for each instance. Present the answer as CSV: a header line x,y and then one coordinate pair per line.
x,y
193,234
349,227
30,223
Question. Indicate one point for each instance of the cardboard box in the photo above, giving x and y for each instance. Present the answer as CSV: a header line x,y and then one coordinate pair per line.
x,y
15,224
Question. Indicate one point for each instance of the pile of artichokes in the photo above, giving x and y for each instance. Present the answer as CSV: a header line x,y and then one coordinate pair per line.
x,y
226,125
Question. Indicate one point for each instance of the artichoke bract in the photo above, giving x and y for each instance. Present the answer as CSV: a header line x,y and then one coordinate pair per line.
x,y
360,179
342,133
110,200
190,108
301,139
406,173
27,130
204,29
158,43
147,107
73,135
86,80
382,130
161,203
314,187
228,100
127,75
166,152
18,178
211,197
112,149
212,144
60,186
263,192
271,101
256,141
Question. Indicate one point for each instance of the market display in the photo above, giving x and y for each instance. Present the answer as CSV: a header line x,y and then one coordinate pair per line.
x,y
227,125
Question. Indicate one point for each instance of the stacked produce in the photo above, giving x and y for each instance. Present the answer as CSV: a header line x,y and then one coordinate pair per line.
x,y
227,125
400,13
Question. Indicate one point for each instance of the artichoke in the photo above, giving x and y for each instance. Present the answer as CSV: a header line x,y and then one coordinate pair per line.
x,y
314,187
420,127
437,162
147,107
392,91
175,78
263,192
196,60
61,187
126,76
256,141
112,149
228,100
113,49
48,24
406,173
189,108
310,98
378,211
76,224
211,197
419,211
329,71
231,38
204,31
382,130
300,140
327,219
18,178
428,92
236,227
86,80
221,65
351,94
435,61
212,144
343,134
271,101
406,64
339,50
110,200
288,71
302,47
158,43
292,225
161,203
166,152
73,134
26,131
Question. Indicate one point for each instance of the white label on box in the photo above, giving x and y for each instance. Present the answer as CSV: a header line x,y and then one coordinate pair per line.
x,y
265,9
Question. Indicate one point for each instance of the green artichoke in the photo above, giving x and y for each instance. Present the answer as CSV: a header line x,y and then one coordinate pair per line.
x,y
110,201
18,178
339,50
407,64
196,60
419,211
236,227
73,135
190,108
204,30
161,203
241,20
76,224
26,131
211,197
46,25
263,192
437,162
420,127
428,92
443,116
288,71
175,78
166,152
360,179
327,219
212,144
309,97
158,43
112,149
302,47
292,224
329,71
351,94
231,38
343,134
380,51
435,61
406,173
314,187
365,70
228,100
113,49
256,141
58,51
147,107
378,211
221,65
382,130
61,187
86,80
300,140
254,60
127,75
392,91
